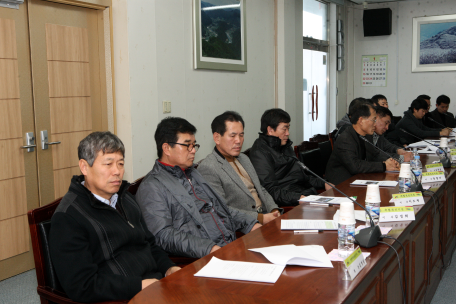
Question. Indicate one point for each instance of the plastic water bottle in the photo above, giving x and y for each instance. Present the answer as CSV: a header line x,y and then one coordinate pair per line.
x,y
374,211
346,240
417,167
404,184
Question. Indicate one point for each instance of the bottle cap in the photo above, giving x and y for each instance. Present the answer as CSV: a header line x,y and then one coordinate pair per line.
x,y
405,171
373,194
347,213
417,157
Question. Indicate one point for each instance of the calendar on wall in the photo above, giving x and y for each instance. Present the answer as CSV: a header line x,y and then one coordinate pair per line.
x,y
375,70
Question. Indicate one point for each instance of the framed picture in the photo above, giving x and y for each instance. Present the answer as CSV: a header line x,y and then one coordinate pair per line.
x,y
434,43
219,35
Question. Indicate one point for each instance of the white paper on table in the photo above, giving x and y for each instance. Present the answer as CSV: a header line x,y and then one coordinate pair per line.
x,y
244,271
308,224
325,199
428,150
360,215
309,255
359,182
423,143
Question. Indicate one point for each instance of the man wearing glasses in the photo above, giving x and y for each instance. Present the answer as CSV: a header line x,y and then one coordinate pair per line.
x,y
186,215
350,155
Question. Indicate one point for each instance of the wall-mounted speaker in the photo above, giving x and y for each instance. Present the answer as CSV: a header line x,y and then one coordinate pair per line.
x,y
377,22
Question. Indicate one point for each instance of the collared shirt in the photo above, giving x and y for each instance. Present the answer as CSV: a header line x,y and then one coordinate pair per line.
x,y
111,202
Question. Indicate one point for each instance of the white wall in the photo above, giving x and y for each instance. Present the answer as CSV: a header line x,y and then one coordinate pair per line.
x,y
402,85
154,62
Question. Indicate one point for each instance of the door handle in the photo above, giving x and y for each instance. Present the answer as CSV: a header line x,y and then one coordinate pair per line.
x,y
313,102
30,142
316,102
44,141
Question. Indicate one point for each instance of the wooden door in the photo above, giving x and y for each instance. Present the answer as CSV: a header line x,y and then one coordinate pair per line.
x,y
68,55
18,178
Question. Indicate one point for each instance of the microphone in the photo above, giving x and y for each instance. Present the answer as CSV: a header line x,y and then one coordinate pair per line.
x,y
389,155
433,120
367,237
416,137
413,188
445,162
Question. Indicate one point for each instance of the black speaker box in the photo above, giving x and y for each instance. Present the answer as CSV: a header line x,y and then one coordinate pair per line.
x,y
377,22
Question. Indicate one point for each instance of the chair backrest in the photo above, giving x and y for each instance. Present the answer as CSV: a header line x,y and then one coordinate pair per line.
x,y
40,224
332,137
312,159
135,185
319,138
325,154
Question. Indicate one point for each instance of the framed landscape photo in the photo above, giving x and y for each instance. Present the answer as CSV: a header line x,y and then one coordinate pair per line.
x,y
219,35
434,43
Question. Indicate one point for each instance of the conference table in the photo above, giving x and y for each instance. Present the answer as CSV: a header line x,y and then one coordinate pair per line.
x,y
429,241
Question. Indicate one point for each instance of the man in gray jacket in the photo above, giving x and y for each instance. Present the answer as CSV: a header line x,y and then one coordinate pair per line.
x,y
186,215
231,173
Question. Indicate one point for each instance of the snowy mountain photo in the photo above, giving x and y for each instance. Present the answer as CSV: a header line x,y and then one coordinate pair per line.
x,y
440,47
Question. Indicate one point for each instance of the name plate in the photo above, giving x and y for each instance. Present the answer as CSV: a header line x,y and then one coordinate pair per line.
x,y
434,167
408,199
453,154
396,214
431,177
355,262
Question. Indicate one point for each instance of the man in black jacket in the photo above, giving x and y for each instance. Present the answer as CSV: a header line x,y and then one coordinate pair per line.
x,y
383,123
350,155
412,123
100,246
276,164
440,116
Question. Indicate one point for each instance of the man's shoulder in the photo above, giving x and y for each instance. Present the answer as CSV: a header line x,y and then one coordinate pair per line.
x,y
209,161
68,200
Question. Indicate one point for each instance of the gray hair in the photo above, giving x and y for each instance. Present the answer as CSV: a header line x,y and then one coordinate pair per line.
x,y
99,141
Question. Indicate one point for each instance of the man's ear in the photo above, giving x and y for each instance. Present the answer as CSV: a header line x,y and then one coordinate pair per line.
x,y
165,148
270,130
216,136
83,166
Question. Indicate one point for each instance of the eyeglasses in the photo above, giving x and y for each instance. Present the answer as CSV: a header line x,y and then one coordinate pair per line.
x,y
189,146
374,121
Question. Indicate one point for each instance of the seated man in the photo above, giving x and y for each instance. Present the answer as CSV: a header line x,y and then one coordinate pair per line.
x,y
345,121
350,156
99,244
441,115
186,215
412,123
383,122
426,98
231,173
276,164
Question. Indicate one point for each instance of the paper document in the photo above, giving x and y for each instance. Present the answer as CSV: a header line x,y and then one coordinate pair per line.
x,y
359,182
384,230
324,199
310,255
428,150
244,271
422,144
308,224
360,215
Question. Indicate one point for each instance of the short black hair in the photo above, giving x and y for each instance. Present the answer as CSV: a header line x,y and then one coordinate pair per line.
x,y
272,118
418,104
376,98
424,97
443,99
354,103
167,131
218,125
361,110
382,112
